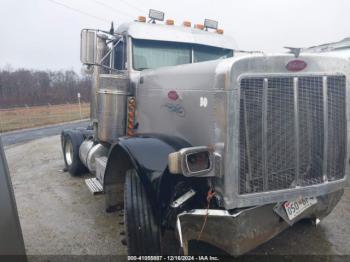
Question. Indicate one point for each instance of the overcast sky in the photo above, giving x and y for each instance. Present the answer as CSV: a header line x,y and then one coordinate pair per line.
x,y
42,34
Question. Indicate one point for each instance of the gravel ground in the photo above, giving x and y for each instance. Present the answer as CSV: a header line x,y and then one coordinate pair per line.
x,y
59,215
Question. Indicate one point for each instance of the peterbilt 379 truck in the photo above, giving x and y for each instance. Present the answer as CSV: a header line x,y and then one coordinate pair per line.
x,y
190,135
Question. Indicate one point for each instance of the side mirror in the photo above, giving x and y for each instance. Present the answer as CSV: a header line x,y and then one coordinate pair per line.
x,y
192,161
88,42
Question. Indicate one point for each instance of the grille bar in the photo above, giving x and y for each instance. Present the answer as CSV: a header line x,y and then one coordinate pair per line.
x,y
292,132
296,129
325,123
264,132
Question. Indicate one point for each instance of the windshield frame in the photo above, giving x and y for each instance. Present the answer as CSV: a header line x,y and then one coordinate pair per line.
x,y
192,50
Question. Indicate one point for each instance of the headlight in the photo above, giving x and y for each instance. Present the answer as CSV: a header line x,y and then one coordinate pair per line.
x,y
192,161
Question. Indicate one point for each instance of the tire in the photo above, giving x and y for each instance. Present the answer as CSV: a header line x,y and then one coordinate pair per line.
x,y
71,144
142,232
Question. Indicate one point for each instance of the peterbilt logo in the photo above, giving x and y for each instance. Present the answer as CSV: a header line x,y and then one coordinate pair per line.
x,y
175,106
296,65
172,95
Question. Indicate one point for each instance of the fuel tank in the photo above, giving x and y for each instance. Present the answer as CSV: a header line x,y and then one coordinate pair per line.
x,y
111,106
89,151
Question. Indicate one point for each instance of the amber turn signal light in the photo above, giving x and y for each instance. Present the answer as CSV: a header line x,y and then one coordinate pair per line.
x,y
131,116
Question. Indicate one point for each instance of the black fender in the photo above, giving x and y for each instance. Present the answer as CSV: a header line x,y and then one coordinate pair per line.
x,y
76,134
80,134
148,154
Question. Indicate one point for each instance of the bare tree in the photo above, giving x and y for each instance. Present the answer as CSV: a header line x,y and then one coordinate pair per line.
x,y
28,87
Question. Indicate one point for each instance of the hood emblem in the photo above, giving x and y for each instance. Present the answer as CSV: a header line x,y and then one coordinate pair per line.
x,y
173,95
296,65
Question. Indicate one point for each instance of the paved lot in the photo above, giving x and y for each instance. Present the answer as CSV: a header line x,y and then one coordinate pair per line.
x,y
60,216
26,135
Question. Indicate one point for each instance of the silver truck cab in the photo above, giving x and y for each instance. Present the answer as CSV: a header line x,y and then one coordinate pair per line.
x,y
216,145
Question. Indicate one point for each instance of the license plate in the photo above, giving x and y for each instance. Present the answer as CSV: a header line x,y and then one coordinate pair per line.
x,y
296,207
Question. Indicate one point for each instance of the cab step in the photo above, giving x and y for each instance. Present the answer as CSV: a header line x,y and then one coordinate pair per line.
x,y
94,186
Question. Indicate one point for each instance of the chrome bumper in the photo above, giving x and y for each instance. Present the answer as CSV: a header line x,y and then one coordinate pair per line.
x,y
239,232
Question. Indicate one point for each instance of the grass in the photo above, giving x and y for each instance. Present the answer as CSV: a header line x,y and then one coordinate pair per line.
x,y
27,117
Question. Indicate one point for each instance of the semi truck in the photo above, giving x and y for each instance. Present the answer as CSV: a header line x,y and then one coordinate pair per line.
x,y
192,137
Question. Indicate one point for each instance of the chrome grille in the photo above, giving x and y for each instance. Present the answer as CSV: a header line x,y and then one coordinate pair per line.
x,y
288,127
336,122
280,151
311,130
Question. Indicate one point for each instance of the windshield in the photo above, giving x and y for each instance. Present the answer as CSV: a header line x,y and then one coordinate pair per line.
x,y
207,53
151,54
154,54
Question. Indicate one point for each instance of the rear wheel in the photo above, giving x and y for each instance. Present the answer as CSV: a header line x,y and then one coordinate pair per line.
x,y
71,144
142,232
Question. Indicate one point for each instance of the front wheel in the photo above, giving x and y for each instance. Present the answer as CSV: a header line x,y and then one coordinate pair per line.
x,y
142,232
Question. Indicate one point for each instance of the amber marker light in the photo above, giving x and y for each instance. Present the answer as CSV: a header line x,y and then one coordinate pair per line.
x,y
169,22
131,116
186,23
199,26
141,19
220,31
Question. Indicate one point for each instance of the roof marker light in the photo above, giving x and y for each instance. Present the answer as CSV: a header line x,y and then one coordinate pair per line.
x,y
141,19
169,22
199,26
186,23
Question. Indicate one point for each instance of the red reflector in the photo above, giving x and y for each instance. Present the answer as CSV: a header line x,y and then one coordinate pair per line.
x,y
172,95
296,65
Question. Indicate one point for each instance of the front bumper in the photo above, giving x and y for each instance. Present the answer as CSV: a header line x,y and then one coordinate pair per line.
x,y
239,232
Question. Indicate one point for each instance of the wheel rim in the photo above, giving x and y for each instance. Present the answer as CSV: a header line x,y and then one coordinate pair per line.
x,y
69,152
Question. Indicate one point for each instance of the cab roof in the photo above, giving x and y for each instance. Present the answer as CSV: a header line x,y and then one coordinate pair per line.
x,y
173,33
